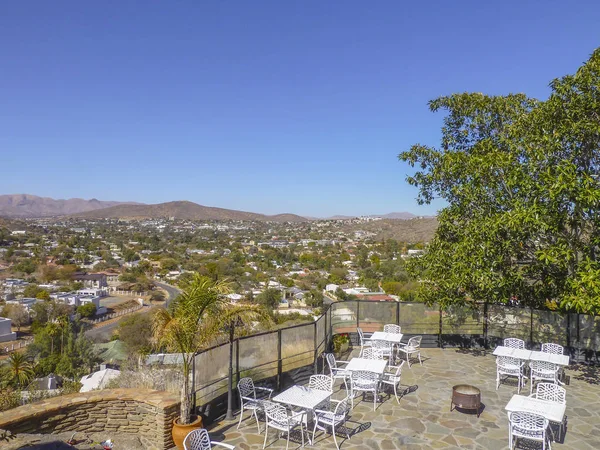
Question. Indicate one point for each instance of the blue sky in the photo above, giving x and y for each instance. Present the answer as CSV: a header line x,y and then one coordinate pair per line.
x,y
266,106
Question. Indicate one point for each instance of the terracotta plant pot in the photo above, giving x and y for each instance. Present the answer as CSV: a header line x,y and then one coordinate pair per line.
x,y
180,431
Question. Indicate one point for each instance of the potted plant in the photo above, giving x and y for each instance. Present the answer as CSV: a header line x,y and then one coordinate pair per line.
x,y
199,315
341,343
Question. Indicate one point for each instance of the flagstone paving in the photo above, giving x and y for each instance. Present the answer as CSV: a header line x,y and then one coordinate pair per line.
x,y
422,419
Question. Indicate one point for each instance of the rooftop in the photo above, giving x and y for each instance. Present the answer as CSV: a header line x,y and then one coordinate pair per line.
x,y
422,419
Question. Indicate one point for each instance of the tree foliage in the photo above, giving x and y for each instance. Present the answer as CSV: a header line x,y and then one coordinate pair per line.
x,y
521,179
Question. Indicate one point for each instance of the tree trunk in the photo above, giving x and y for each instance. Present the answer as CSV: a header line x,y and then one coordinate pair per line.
x,y
185,396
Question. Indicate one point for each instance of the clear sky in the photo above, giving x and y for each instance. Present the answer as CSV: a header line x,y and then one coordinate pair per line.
x,y
265,106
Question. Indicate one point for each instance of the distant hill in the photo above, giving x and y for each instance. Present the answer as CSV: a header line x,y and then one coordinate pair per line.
x,y
25,205
410,230
183,210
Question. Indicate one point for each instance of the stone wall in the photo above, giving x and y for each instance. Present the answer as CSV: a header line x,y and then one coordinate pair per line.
x,y
148,414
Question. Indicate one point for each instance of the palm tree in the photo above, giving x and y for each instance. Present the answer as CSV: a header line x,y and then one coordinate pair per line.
x,y
197,317
52,329
20,369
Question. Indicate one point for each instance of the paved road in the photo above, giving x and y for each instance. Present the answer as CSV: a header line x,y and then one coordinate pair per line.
x,y
107,330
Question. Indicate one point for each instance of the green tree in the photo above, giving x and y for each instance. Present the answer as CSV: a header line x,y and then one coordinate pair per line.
x,y
87,310
136,333
17,314
20,370
196,318
270,298
521,179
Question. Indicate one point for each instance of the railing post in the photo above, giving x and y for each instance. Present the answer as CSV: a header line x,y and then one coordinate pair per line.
x,y
316,346
440,329
568,330
486,343
194,383
237,360
357,313
531,327
279,362
398,313
229,415
330,337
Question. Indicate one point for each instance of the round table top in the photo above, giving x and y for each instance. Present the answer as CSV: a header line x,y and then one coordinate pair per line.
x,y
466,389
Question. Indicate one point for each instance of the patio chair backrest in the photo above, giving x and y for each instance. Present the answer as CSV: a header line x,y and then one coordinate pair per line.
x,y
361,335
330,358
365,378
528,423
508,361
382,345
542,366
551,392
372,353
342,407
514,343
277,414
246,387
391,328
321,382
414,343
554,349
197,440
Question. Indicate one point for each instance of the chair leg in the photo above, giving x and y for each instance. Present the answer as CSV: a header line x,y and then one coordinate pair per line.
x,y
287,444
302,432
257,422
497,380
241,415
314,430
334,439
266,434
408,359
420,362
396,394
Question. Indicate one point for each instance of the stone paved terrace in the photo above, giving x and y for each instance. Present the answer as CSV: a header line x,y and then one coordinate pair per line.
x,y
423,419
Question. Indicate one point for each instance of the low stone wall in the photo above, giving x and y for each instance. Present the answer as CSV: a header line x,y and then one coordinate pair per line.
x,y
148,414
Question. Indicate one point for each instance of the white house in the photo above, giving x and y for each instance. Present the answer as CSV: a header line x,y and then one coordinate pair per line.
x,y
331,288
98,380
5,333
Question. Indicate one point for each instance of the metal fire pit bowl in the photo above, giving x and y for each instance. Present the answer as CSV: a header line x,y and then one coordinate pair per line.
x,y
465,396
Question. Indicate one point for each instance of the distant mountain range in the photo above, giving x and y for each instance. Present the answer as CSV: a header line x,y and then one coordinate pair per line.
x,y
31,206
25,205
183,210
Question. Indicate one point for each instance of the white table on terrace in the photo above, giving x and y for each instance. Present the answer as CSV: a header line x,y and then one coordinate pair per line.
x,y
303,397
370,365
529,355
393,338
553,411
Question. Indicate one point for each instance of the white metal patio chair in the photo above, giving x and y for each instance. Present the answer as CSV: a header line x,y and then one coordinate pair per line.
x,y
514,343
249,400
199,440
410,348
334,416
543,371
372,353
552,393
385,348
524,425
321,382
279,418
364,343
391,328
392,378
509,367
553,349
365,381
336,372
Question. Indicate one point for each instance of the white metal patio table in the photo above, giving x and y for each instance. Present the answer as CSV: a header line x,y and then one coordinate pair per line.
x,y
561,360
303,397
371,365
553,411
519,353
393,338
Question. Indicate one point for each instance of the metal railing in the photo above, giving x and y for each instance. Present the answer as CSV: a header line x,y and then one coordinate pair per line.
x,y
288,356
